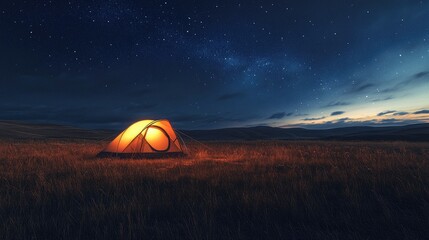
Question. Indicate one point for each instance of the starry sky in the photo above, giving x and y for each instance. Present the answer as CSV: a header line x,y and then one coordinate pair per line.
x,y
215,64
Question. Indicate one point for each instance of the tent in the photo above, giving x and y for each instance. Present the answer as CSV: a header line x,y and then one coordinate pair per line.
x,y
146,139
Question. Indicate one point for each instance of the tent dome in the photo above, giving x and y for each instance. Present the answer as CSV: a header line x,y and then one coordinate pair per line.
x,y
147,139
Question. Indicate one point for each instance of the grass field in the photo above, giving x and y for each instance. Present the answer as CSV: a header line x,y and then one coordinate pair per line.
x,y
51,189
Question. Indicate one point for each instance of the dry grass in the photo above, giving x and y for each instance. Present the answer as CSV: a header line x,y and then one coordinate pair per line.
x,y
252,190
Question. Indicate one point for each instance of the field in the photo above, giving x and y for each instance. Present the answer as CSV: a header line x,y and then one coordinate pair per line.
x,y
57,189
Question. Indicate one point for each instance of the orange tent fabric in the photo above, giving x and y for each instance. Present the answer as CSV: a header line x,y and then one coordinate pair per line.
x,y
146,137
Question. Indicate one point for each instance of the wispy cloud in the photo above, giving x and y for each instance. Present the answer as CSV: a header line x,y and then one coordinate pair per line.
x,y
386,112
421,74
336,113
313,119
425,111
336,104
347,122
417,78
361,88
383,99
279,115
400,113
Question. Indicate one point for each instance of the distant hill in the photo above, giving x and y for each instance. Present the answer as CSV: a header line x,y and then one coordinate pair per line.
x,y
22,130
417,132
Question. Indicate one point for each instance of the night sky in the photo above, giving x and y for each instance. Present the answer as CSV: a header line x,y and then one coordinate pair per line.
x,y
215,64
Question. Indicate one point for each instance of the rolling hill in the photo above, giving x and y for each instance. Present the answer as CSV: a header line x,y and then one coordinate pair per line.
x,y
24,130
416,132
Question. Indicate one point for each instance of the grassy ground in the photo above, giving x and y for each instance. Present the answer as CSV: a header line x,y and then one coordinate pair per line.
x,y
249,190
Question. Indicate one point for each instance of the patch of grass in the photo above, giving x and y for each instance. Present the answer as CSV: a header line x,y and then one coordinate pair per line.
x,y
231,190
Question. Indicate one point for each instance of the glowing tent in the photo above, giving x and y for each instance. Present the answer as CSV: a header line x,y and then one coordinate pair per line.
x,y
146,139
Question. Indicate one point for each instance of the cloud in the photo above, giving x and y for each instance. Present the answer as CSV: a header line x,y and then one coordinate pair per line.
x,y
342,119
390,120
421,74
279,115
361,88
336,104
336,113
347,122
228,96
313,119
400,113
425,111
337,121
416,78
395,88
386,112
383,99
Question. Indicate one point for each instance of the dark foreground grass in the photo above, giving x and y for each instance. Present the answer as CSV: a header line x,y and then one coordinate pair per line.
x,y
254,190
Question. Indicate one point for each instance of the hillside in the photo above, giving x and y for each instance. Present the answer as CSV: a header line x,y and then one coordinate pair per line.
x,y
417,132
23,130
